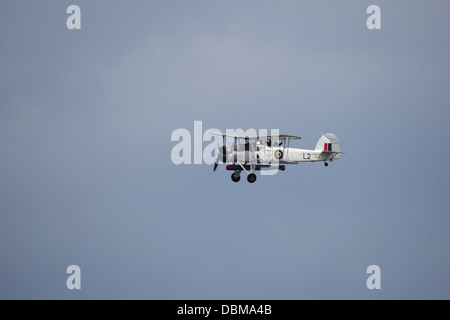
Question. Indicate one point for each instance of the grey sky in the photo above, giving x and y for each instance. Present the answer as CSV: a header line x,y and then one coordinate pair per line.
x,y
86,176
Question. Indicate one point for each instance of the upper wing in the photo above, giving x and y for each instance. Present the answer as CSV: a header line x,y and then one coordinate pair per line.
x,y
275,137
288,136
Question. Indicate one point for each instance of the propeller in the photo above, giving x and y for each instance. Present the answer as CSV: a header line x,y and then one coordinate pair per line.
x,y
221,156
216,163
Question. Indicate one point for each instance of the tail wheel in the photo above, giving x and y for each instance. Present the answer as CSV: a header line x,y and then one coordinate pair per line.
x,y
235,177
251,177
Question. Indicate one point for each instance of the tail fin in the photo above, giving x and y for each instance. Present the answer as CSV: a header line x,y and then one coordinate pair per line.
x,y
328,143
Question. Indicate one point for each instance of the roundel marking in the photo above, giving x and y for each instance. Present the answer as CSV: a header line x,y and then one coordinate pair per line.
x,y
278,154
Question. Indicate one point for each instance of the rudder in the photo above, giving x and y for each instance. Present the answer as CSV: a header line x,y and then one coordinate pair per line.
x,y
328,143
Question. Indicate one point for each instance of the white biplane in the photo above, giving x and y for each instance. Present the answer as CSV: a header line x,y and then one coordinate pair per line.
x,y
250,154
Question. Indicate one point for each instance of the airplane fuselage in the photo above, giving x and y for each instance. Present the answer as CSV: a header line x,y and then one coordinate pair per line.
x,y
264,154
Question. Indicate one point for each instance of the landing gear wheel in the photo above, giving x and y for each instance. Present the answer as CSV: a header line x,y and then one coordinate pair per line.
x,y
235,178
326,164
251,177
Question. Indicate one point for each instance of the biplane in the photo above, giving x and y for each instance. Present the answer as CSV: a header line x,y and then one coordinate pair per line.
x,y
250,154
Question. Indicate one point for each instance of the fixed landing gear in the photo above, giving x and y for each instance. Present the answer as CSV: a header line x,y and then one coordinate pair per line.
x,y
251,177
236,177
326,164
